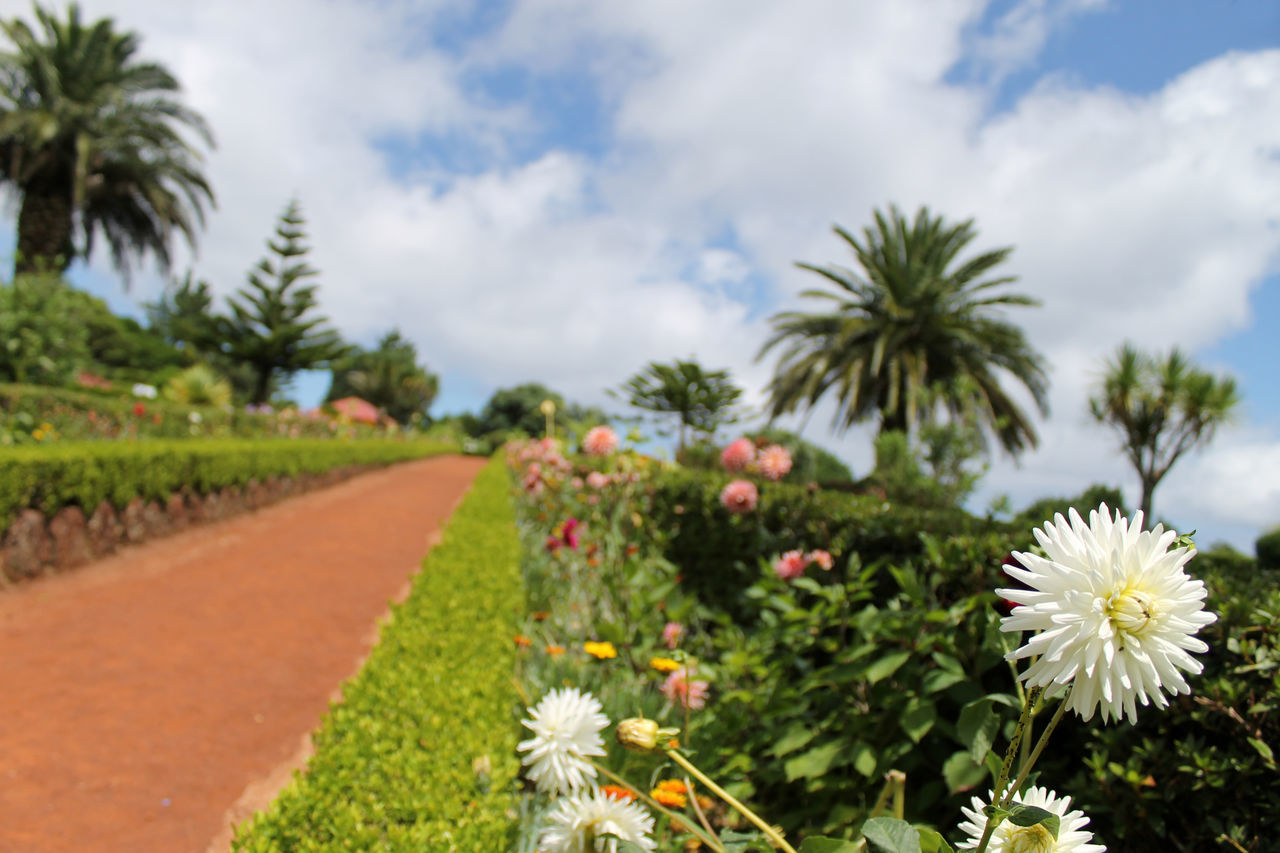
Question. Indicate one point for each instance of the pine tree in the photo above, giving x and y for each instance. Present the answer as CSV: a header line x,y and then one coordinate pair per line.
x,y
273,328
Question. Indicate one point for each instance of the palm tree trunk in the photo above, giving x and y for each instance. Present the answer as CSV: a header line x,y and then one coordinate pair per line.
x,y
44,228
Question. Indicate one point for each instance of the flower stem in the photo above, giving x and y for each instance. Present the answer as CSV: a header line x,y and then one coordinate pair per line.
x,y
772,834
1032,696
709,840
1035,753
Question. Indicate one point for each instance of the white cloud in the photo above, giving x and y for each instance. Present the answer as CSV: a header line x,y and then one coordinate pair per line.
x,y
1147,218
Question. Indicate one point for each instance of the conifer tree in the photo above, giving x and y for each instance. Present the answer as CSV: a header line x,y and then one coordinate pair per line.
x,y
273,327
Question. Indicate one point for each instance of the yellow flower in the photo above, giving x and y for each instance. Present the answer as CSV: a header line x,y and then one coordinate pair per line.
x,y
600,650
664,664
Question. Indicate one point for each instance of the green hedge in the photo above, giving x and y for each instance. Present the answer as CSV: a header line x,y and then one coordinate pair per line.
x,y
394,764
52,476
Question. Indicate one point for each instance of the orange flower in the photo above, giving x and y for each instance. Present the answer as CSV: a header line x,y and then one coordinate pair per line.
x,y
555,651
522,641
540,615
593,562
618,792
675,786
670,796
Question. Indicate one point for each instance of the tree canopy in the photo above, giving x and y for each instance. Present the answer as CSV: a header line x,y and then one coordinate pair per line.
x,y
91,133
700,400
910,320
387,376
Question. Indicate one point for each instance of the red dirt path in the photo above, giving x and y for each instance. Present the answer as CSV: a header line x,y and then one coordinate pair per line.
x,y
141,695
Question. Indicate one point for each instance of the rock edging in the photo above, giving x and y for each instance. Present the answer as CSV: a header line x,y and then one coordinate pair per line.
x,y
34,546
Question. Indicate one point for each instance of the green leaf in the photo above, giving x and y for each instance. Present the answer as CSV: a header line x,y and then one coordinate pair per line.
x,y
1263,749
611,633
886,666
932,842
977,727
961,772
890,835
818,844
795,737
864,759
940,679
1020,815
918,718
815,762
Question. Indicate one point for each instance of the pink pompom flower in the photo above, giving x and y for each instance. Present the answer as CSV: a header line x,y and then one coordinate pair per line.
x,y
740,497
597,480
738,455
671,633
790,565
774,462
600,441
680,690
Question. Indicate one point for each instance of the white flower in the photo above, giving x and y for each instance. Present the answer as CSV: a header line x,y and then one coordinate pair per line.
x,y
578,821
566,726
1113,610
141,389
1011,838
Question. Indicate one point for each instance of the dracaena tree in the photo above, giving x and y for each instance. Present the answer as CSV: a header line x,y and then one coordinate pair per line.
x,y
700,400
1162,408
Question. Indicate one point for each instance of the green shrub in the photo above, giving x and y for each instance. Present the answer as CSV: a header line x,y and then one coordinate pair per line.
x,y
1045,509
1268,549
395,764
53,476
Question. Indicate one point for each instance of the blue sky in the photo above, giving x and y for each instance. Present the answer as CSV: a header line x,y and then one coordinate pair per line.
x,y
562,190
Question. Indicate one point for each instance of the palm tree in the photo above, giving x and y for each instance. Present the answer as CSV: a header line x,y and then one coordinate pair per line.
x,y
909,321
1162,408
90,133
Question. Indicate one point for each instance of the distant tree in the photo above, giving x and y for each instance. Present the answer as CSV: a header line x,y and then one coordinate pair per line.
x,y
184,316
700,400
92,135
387,376
516,410
273,327
909,320
43,339
1162,408
119,347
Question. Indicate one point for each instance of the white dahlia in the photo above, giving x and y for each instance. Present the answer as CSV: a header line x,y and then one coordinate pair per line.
x,y
1112,611
578,821
1010,838
566,728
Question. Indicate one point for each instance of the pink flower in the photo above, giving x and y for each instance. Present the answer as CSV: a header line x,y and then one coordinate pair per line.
x,y
688,694
597,480
774,462
600,441
738,455
671,634
740,497
822,558
790,565
569,536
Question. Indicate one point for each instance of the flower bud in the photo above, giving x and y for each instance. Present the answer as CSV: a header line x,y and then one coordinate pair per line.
x,y
638,734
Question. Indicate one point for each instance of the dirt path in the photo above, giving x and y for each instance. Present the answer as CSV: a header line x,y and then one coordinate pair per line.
x,y
141,695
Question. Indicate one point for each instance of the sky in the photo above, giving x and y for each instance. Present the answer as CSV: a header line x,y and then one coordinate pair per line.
x,y
564,190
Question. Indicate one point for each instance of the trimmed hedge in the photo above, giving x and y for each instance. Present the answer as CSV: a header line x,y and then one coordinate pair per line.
x,y
51,477
393,768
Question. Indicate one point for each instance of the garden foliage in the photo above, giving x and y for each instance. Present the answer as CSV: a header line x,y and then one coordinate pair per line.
x,y
51,477
420,753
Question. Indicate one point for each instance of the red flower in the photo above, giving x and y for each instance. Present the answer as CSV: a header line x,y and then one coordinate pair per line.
x,y
139,409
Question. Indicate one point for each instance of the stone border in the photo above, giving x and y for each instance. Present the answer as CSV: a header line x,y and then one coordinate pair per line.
x,y
35,546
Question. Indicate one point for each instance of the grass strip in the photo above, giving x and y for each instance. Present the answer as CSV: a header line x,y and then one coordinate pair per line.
x,y
396,763
50,477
